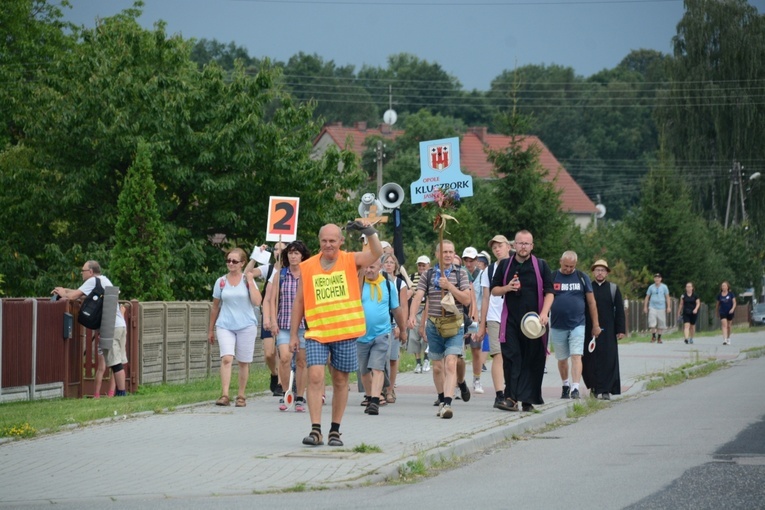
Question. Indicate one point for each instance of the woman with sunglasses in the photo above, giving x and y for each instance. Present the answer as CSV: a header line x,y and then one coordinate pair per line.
x,y
233,317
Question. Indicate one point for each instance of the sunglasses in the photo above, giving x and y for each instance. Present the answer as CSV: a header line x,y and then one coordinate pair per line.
x,y
232,261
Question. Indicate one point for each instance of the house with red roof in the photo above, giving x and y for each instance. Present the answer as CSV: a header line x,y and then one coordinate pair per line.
x,y
473,145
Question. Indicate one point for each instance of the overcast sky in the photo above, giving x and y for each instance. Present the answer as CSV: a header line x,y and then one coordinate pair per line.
x,y
474,40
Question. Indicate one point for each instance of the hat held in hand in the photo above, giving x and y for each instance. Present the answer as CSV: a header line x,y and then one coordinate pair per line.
x,y
531,326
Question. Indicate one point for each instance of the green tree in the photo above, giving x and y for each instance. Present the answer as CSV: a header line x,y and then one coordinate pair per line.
x,y
140,259
522,197
33,35
664,236
713,113
207,51
414,83
335,90
221,144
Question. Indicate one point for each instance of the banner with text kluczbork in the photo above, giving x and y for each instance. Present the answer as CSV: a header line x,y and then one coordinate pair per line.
x,y
440,169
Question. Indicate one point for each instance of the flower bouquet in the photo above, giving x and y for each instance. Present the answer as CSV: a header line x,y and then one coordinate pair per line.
x,y
443,199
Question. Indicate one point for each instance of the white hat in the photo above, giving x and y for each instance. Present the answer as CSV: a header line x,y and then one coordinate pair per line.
x,y
470,253
422,259
485,255
531,327
385,244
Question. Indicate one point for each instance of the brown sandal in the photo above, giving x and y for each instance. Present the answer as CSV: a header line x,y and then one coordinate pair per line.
x,y
241,401
223,401
314,438
391,397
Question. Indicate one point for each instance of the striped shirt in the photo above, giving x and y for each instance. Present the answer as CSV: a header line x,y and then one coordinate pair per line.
x,y
434,295
287,290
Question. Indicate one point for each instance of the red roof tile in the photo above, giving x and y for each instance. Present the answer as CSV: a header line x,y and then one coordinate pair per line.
x,y
473,157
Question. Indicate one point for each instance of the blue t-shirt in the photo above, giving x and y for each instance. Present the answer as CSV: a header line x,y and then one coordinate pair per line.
x,y
726,303
567,311
377,312
236,311
659,296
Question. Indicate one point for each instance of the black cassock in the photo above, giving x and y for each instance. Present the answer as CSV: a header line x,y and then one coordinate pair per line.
x,y
600,368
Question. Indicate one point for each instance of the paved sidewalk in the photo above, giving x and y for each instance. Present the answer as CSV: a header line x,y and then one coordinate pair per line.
x,y
205,450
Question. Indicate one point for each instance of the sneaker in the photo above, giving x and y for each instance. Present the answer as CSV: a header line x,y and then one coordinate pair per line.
x,y
300,406
436,403
483,368
477,388
606,396
465,394
690,340
505,404
566,393
446,412
685,340
456,395
426,365
282,405
278,391
418,369
575,394
527,408
440,407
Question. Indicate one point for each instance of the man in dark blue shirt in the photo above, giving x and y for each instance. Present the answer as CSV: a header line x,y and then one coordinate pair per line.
x,y
573,296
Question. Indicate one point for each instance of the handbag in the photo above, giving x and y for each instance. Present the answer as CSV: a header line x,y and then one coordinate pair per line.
x,y
447,326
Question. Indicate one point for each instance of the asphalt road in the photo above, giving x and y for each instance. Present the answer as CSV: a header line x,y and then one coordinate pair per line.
x,y
697,445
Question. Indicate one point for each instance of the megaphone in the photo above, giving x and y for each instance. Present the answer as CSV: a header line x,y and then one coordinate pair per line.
x,y
391,195
367,201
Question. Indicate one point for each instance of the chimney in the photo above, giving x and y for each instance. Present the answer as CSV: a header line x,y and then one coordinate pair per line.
x,y
360,125
480,132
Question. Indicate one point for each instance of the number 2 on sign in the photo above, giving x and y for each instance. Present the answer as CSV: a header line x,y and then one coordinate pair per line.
x,y
282,219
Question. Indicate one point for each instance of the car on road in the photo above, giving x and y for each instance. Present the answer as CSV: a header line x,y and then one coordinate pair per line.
x,y
758,314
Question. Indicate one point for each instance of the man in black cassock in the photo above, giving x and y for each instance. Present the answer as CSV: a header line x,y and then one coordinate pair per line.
x,y
526,283
600,368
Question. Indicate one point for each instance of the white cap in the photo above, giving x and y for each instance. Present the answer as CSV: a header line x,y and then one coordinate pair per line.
x,y
385,244
470,253
422,259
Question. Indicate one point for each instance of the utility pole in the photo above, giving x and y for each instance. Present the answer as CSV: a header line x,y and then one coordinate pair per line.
x,y
379,155
735,180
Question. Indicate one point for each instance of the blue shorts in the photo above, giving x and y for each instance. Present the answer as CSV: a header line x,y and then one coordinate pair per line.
x,y
439,347
283,337
567,342
344,354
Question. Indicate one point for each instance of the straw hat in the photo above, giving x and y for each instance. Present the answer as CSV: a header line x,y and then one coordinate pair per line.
x,y
600,263
531,326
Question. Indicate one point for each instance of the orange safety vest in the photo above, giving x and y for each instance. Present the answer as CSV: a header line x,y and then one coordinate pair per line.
x,y
332,299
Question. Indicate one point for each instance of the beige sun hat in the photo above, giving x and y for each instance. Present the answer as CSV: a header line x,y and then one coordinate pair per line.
x,y
531,326
600,263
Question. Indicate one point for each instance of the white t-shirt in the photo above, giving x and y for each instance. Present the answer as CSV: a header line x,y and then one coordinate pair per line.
x,y
495,302
87,287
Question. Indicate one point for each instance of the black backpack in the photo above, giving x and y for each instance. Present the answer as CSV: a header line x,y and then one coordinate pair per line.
x,y
92,307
